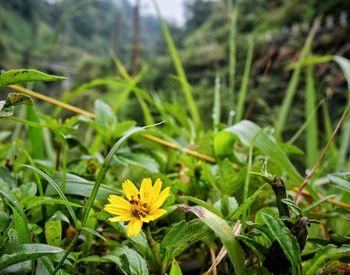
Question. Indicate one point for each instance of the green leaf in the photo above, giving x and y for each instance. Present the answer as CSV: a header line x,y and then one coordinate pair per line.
x,y
316,203
323,256
57,188
104,115
21,226
78,186
203,204
53,232
35,135
182,236
245,80
128,260
293,83
339,183
139,159
27,252
36,201
13,99
91,231
25,75
246,131
224,232
286,240
247,203
186,88
175,268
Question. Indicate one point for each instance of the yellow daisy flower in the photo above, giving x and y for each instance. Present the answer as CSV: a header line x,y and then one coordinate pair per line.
x,y
140,206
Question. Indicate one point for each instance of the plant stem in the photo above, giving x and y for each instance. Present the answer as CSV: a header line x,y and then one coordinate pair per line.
x,y
153,245
69,248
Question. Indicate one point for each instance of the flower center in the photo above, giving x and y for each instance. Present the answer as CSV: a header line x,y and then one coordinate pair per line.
x,y
138,208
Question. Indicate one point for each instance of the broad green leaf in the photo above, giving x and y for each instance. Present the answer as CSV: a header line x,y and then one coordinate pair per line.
x,y
21,226
246,130
323,256
13,201
175,268
104,115
286,240
53,232
139,159
128,260
27,252
226,205
25,75
181,237
78,186
224,232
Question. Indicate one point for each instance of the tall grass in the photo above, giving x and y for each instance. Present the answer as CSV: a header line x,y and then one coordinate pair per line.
x,y
245,80
293,84
186,87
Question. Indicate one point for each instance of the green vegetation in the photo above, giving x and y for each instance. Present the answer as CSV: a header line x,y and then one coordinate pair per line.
x,y
235,133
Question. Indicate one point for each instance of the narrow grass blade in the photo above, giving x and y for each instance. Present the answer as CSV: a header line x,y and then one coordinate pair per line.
x,y
293,84
345,134
233,13
245,81
58,190
312,151
224,232
329,129
217,103
186,88
35,135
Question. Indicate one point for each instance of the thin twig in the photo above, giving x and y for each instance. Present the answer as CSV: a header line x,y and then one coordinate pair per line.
x,y
325,149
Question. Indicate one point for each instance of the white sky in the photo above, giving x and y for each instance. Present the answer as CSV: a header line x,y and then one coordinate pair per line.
x,y
172,10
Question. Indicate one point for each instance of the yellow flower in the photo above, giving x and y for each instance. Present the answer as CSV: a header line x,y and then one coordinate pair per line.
x,y
140,206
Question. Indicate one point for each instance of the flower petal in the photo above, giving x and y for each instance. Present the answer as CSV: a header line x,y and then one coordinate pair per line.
x,y
156,189
134,228
111,208
119,202
120,218
155,214
160,200
146,190
130,190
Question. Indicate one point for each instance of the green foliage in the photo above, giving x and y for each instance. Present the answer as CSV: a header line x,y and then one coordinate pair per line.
x,y
25,75
52,217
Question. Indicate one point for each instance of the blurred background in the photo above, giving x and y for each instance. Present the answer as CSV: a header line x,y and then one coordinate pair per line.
x,y
83,40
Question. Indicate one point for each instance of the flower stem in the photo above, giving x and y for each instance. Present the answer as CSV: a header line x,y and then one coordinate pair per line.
x,y
153,245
